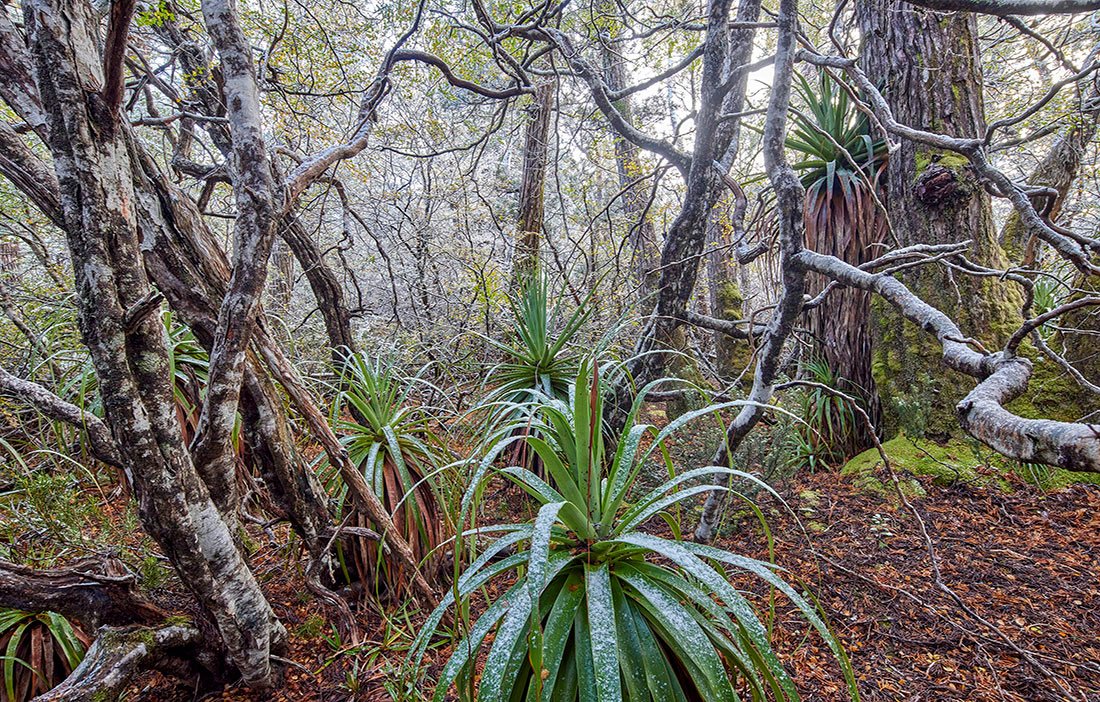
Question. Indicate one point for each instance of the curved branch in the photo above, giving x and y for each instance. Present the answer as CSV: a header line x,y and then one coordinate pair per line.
x,y
1036,322
982,414
1068,445
102,442
692,57
456,81
605,102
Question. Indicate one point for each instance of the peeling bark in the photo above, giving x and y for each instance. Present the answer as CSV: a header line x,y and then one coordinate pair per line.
x,y
191,269
258,202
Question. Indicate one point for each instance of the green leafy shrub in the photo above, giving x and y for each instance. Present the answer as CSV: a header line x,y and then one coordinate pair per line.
x,y
598,609
820,439
38,651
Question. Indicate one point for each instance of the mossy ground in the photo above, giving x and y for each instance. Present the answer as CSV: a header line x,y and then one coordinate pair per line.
x,y
953,463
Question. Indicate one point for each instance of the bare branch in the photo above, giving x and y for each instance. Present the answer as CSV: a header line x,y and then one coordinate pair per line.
x,y
456,81
114,53
1003,378
101,442
1011,7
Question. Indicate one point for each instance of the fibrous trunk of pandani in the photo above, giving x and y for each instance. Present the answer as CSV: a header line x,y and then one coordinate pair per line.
x,y
851,229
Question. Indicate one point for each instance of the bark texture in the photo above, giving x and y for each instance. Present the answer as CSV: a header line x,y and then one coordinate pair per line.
x,y
931,68
531,193
118,656
790,199
93,592
686,238
130,354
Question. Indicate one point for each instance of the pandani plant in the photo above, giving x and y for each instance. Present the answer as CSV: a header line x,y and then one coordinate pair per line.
x,y
585,604
392,441
37,652
826,421
539,363
842,168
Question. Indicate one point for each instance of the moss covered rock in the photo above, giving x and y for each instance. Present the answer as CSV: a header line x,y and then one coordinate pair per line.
x,y
954,462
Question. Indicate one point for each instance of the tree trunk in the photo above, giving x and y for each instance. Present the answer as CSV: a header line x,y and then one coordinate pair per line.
x,y
192,271
931,65
283,284
130,351
531,197
1052,393
724,295
686,238
841,324
326,288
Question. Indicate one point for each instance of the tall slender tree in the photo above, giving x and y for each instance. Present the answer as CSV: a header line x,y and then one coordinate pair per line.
x,y
532,196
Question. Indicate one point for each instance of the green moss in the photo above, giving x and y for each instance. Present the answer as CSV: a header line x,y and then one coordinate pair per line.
x,y
948,159
946,464
918,392
954,462
1051,479
733,355
1051,393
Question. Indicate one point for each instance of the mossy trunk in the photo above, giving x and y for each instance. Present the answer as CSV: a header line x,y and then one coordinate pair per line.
x,y
682,365
1080,347
931,66
733,356
1052,393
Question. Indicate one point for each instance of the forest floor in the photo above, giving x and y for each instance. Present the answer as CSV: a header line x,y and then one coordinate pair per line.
x,y
1025,561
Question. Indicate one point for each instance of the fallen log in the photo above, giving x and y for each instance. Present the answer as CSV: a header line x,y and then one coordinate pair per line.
x,y
118,655
95,592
